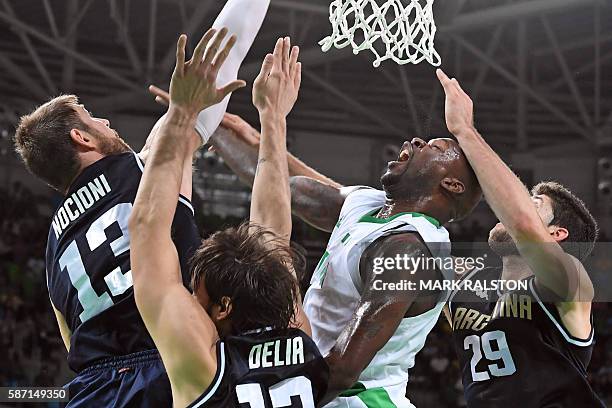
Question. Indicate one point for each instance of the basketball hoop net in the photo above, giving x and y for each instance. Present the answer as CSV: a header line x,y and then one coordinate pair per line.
x,y
402,33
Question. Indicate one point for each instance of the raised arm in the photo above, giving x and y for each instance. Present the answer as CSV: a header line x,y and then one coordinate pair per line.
x,y
555,270
314,198
195,142
274,94
249,138
378,313
182,331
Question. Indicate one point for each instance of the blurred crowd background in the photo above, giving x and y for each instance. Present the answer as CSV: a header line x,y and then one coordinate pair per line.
x,y
35,354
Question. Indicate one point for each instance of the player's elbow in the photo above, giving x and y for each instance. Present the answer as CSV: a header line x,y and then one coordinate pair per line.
x,y
139,221
525,226
342,374
342,381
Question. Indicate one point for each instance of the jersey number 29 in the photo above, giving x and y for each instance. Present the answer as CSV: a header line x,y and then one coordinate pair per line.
x,y
493,354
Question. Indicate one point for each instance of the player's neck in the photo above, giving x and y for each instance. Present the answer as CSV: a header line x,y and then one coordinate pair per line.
x,y
423,205
514,267
86,159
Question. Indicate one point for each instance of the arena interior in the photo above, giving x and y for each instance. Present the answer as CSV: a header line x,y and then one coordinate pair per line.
x,y
539,72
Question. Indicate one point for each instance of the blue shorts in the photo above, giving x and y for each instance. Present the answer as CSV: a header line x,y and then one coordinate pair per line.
x,y
134,380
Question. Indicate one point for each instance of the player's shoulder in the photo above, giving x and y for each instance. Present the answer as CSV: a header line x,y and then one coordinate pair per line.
x,y
360,201
397,243
266,358
114,169
259,338
109,181
121,163
361,193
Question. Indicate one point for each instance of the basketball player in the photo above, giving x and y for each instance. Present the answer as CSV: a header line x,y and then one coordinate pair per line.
x,y
88,269
528,347
370,337
237,340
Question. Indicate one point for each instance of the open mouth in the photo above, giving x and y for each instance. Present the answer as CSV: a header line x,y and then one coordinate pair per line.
x,y
406,153
403,158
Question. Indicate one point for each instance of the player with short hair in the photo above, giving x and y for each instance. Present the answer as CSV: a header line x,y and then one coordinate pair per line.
x,y
87,257
242,337
525,347
370,337
88,270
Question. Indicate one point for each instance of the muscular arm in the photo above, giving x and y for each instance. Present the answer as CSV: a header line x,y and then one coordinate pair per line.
x,y
554,269
165,305
195,141
236,140
378,313
183,332
313,200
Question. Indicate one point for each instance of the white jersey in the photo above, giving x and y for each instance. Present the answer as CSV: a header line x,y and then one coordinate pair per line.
x,y
336,288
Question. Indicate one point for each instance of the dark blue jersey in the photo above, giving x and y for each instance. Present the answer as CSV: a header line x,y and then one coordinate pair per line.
x,y
514,350
88,260
267,369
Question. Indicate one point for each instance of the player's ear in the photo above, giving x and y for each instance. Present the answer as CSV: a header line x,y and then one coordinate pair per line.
x,y
225,308
82,139
453,185
558,233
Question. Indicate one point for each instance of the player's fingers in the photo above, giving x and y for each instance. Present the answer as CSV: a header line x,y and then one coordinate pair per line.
x,y
266,67
293,58
227,121
162,101
443,78
212,50
298,75
199,49
180,55
157,91
458,86
231,87
278,54
222,56
286,49
212,149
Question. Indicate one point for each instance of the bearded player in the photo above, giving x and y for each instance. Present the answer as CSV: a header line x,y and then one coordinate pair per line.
x,y
88,269
527,348
236,341
370,337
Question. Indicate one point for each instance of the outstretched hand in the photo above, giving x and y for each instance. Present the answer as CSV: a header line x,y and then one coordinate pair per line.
x,y
276,88
194,82
241,128
458,108
230,121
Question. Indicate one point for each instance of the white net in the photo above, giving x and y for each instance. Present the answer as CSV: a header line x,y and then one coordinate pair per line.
x,y
394,30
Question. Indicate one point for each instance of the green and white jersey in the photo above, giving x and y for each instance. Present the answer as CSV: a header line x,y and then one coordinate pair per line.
x,y
336,288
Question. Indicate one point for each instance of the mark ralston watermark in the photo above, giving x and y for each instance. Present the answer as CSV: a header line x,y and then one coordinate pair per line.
x,y
388,278
502,285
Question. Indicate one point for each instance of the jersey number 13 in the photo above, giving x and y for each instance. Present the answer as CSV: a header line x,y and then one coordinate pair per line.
x,y
116,281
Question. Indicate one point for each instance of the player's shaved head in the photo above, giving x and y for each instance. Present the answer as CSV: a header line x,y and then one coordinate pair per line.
x,y
436,171
472,194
